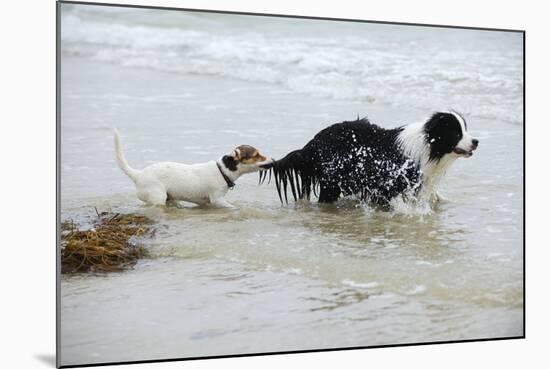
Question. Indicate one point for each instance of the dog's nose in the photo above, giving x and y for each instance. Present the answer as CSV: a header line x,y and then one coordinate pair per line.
x,y
475,142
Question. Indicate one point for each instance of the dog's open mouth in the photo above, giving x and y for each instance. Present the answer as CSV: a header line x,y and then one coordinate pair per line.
x,y
463,152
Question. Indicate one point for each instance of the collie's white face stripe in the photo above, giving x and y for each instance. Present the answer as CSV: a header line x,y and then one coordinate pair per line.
x,y
466,142
460,120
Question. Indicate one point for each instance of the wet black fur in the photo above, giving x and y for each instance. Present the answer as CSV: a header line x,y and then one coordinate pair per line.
x,y
362,159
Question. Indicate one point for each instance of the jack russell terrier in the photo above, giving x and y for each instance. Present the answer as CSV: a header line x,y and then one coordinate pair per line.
x,y
202,184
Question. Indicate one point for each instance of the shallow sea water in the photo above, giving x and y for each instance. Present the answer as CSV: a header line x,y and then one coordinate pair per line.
x,y
266,277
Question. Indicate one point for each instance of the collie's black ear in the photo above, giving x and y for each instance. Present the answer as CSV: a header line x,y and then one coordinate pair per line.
x,y
229,162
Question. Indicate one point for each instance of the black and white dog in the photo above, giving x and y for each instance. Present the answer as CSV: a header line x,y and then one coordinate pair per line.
x,y
375,164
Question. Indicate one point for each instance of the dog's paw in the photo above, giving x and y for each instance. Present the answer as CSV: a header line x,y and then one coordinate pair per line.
x,y
438,197
220,203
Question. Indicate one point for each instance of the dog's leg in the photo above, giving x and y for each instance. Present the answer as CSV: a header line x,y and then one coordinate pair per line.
x,y
438,197
153,194
221,203
174,203
157,198
329,192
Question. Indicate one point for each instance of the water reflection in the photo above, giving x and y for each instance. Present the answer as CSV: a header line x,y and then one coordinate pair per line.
x,y
338,299
359,231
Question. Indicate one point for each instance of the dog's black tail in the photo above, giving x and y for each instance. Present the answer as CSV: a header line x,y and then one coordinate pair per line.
x,y
296,171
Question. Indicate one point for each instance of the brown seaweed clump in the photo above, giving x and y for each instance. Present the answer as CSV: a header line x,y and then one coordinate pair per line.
x,y
106,246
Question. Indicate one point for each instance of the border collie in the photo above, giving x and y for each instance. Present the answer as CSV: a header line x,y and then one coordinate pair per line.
x,y
202,184
375,164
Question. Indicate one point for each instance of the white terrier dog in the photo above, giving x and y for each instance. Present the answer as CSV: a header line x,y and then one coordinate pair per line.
x,y
202,184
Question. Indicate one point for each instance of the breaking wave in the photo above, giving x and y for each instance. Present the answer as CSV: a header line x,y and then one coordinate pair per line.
x,y
477,72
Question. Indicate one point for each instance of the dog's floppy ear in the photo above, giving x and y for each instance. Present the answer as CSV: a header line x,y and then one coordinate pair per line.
x,y
237,154
229,162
